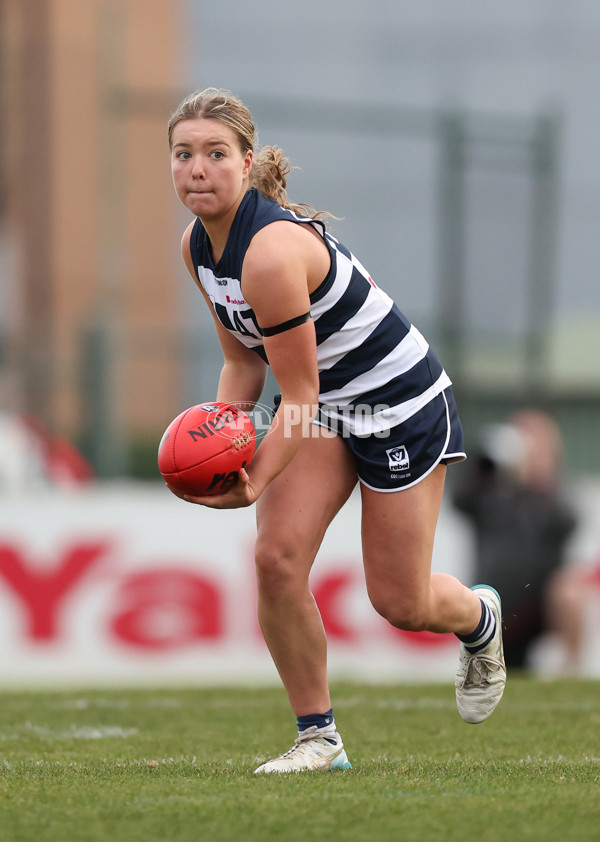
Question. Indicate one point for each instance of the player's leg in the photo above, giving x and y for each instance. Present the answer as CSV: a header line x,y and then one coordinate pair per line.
x,y
398,532
293,514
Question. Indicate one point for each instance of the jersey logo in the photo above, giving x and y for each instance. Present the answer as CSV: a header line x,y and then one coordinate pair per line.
x,y
398,458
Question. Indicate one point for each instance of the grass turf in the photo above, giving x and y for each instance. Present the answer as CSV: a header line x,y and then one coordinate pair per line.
x,y
177,765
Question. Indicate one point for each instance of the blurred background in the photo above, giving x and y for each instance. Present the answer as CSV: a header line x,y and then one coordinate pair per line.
x,y
456,142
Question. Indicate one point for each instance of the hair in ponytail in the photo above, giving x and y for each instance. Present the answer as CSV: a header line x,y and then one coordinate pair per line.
x,y
270,166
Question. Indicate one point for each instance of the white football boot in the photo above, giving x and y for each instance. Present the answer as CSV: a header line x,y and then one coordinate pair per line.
x,y
312,751
481,676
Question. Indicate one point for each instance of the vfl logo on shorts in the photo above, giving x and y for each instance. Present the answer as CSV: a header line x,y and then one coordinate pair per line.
x,y
398,458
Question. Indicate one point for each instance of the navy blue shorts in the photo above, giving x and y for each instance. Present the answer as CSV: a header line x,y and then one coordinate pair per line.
x,y
411,450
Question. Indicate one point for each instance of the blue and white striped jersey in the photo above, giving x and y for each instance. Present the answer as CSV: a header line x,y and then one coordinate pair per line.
x,y
369,355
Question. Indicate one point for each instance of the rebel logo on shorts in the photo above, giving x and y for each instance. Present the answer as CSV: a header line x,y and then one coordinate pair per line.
x,y
398,458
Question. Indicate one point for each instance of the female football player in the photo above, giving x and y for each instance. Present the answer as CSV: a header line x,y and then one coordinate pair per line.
x,y
363,398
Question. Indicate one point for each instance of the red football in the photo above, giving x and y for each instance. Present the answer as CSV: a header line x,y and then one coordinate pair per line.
x,y
203,449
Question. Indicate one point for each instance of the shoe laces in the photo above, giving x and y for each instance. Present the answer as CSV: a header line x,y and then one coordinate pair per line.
x,y
302,740
479,668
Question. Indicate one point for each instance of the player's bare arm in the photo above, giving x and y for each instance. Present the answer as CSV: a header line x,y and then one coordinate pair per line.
x,y
281,264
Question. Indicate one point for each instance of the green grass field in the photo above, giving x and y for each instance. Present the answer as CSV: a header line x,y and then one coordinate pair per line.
x,y
177,765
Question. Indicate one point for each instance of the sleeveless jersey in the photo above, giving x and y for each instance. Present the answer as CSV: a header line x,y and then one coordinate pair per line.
x,y
375,369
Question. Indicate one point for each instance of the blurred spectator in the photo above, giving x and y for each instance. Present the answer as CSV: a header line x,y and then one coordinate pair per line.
x,y
512,494
573,600
32,457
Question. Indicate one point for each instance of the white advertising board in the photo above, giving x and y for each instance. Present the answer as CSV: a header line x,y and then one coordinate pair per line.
x,y
126,584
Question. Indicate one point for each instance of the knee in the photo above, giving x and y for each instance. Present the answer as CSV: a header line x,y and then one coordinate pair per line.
x,y
277,568
400,612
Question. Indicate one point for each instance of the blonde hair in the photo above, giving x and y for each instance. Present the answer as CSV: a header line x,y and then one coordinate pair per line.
x,y
270,166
